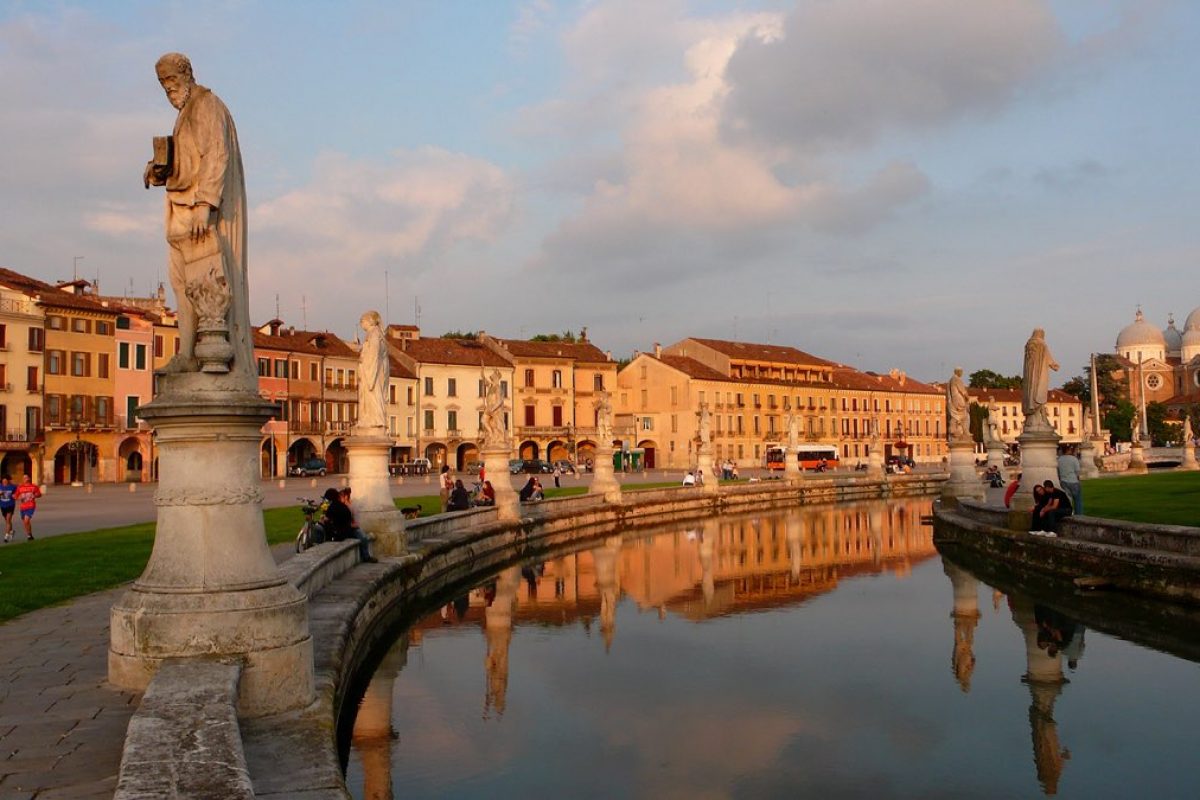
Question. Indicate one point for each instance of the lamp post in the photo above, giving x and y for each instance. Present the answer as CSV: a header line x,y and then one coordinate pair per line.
x,y
76,447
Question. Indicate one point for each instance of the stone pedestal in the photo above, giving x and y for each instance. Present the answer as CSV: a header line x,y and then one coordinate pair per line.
x,y
603,480
704,463
964,480
1188,462
995,455
1137,460
495,466
211,588
1039,463
1087,460
875,463
370,453
791,464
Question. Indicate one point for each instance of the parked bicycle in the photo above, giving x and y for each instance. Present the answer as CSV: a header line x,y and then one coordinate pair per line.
x,y
311,532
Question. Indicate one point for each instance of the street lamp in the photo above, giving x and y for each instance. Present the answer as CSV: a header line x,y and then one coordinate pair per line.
x,y
77,447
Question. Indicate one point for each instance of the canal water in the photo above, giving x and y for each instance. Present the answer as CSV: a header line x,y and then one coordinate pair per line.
x,y
818,652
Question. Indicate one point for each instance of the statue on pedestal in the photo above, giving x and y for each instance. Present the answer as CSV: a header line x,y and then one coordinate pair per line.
x,y
494,434
705,425
957,402
1035,383
201,167
604,422
1187,430
1134,429
374,370
793,431
991,426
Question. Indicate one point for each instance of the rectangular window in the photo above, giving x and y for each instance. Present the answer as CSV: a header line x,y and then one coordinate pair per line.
x,y
3,336
264,364
54,409
392,400
56,323
504,389
647,423
329,376
428,420
674,423
409,394
103,328
482,391
104,410
674,395
80,362
429,387
81,325
175,345
556,379
295,374
102,360
529,415
452,420
529,377
140,356
313,372
556,416
123,323
31,380
598,382
158,346
412,423
281,368
123,357
37,340
451,387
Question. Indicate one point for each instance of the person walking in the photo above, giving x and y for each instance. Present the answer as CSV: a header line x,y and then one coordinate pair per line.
x,y
1068,477
8,505
26,496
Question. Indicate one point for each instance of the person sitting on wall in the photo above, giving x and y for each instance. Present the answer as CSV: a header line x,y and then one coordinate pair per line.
x,y
339,523
526,493
459,499
1056,508
689,479
487,495
1011,490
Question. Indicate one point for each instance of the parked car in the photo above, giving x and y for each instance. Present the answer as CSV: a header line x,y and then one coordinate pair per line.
x,y
418,466
564,466
516,466
474,467
309,467
536,466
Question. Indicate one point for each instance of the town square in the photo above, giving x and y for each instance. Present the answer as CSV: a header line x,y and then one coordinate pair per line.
x,y
599,399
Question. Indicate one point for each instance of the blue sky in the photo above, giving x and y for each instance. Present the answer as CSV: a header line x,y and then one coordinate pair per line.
x,y
887,183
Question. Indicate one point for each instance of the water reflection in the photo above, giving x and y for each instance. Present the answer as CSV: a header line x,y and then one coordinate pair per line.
x,y
780,654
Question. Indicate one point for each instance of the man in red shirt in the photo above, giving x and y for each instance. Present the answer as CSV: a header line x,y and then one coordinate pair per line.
x,y
26,495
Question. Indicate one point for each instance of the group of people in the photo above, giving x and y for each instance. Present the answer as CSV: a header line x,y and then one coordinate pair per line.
x,y
729,470
532,490
22,499
1052,504
456,496
339,523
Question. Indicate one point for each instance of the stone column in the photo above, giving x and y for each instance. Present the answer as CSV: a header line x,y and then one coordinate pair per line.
x,y
995,454
704,463
370,451
1189,457
211,588
875,463
495,468
791,464
964,480
603,480
1039,463
1087,460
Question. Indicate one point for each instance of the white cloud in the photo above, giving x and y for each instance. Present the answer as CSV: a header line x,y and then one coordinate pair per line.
x,y
532,19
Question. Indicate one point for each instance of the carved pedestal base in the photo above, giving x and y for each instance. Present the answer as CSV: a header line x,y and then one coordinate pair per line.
x,y
1189,458
1039,463
964,480
495,467
1087,460
791,465
603,480
1137,460
875,463
704,463
995,455
370,453
211,587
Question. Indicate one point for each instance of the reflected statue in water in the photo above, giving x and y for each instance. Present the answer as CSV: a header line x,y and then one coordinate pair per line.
x,y
498,629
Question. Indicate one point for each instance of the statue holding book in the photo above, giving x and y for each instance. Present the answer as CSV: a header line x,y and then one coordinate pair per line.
x,y
201,167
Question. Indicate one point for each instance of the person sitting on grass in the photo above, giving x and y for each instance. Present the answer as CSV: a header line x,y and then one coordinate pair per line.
x,y
459,499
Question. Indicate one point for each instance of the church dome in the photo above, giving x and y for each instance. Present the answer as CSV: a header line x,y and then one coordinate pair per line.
x,y
1193,320
1140,333
1191,345
1173,337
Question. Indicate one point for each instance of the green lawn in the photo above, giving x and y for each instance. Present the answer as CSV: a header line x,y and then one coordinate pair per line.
x,y
1168,498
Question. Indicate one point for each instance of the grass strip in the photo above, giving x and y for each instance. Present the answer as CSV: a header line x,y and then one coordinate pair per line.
x,y
1164,498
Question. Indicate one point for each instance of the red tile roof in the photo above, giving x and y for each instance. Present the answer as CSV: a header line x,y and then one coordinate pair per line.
x,y
748,351
466,352
849,378
693,368
1014,395
317,343
49,295
575,351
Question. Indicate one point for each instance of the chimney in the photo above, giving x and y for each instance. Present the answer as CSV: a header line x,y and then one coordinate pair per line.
x,y
608,355
275,325
657,350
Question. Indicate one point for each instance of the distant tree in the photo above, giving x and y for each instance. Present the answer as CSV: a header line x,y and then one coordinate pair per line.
x,y
458,335
987,379
1079,387
1193,412
978,415
1161,431
565,336
1112,390
1118,420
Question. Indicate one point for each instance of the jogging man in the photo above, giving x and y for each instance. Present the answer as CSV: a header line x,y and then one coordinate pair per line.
x,y
7,505
27,494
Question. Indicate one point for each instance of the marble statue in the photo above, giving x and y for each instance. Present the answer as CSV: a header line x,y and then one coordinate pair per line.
x,y
1187,430
494,433
874,433
793,431
991,424
1035,384
1088,433
374,370
705,424
957,402
1134,428
201,168
604,422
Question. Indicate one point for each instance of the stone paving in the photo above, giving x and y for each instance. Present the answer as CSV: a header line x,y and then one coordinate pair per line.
x,y
61,725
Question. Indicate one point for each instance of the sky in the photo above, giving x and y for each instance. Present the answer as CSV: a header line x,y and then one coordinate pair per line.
x,y
910,184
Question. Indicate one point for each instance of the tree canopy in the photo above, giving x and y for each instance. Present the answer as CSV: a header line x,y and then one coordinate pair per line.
x,y
565,336
458,335
987,379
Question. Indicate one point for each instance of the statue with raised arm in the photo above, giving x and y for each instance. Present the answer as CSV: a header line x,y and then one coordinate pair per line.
x,y
374,371
1035,383
494,433
201,167
604,421
957,402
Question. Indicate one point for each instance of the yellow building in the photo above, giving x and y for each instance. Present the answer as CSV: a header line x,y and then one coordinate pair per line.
x,y
22,346
555,389
752,390
1064,411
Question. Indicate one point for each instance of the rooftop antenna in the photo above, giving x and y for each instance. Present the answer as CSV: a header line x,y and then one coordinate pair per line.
x,y
303,312
75,267
417,310
735,324
387,299
277,305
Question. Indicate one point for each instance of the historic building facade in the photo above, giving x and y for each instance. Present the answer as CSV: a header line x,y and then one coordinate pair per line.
x,y
1064,411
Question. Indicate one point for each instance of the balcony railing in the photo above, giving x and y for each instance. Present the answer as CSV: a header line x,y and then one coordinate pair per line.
x,y
542,430
23,435
308,426
348,386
